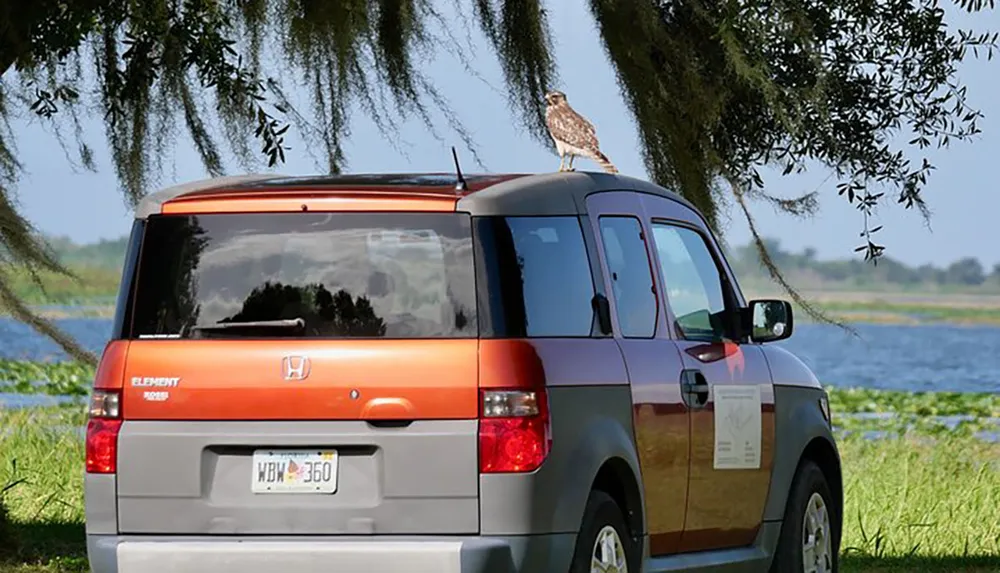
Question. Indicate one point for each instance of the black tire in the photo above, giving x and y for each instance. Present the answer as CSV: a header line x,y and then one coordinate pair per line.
x,y
809,479
602,511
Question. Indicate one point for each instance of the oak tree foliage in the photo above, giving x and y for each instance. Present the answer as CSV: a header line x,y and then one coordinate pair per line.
x,y
719,89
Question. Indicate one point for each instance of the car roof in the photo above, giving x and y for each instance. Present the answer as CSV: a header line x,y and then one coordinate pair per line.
x,y
512,194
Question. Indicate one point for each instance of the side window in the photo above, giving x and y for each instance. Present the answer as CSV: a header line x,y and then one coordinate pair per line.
x,y
631,279
533,277
692,282
556,283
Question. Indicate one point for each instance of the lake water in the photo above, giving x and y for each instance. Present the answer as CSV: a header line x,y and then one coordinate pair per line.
x,y
892,357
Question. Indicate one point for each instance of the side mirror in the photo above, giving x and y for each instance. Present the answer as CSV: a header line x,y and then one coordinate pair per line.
x,y
769,320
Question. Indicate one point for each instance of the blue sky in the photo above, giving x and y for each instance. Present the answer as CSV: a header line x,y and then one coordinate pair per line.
x,y
961,193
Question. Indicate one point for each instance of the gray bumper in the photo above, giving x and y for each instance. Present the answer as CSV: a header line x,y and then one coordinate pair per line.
x,y
127,554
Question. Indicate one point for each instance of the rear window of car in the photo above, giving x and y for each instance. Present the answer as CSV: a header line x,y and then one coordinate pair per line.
x,y
306,275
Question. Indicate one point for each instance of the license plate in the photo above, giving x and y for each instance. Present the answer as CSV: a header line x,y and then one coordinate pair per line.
x,y
294,471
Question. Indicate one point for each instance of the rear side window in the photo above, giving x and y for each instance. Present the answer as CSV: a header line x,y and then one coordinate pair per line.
x,y
631,276
535,277
123,304
308,275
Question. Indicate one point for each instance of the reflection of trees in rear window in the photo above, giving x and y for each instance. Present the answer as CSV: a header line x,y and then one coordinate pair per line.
x,y
400,275
330,314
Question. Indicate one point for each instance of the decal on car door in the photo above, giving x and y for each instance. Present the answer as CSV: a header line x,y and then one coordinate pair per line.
x,y
737,427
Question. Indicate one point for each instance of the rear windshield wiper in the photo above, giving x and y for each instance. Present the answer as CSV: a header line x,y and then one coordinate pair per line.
x,y
282,323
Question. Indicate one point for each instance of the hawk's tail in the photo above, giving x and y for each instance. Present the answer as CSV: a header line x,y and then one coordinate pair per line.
x,y
604,162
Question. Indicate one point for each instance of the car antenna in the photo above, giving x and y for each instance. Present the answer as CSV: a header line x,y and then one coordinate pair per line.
x,y
460,186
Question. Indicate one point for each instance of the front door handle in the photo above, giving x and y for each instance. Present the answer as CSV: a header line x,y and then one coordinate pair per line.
x,y
694,388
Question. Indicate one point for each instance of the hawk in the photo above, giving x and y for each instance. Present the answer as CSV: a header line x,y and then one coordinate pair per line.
x,y
572,133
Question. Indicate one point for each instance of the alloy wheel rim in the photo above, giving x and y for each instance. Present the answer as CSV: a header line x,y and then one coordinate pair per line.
x,y
816,554
608,555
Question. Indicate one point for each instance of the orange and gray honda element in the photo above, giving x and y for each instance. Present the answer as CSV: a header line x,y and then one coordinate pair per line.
x,y
409,373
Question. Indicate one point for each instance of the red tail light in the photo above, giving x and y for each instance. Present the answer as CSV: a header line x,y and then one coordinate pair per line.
x,y
514,431
105,410
102,445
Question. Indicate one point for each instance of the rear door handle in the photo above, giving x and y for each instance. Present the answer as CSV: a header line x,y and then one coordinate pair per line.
x,y
694,388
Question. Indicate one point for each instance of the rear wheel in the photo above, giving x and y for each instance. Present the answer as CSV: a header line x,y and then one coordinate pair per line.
x,y
807,543
604,544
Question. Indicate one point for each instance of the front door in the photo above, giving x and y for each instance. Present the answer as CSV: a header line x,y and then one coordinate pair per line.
x,y
654,363
726,384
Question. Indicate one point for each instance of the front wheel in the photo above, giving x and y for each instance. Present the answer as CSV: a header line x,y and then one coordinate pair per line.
x,y
807,543
604,544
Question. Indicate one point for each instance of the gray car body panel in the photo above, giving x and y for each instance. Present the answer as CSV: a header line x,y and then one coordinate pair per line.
x,y
100,503
265,554
193,477
800,423
590,426
444,515
554,194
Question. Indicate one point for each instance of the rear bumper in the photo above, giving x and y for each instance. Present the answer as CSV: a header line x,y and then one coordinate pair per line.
x,y
146,554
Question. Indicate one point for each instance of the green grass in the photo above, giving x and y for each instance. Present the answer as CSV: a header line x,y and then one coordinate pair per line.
x,y
921,496
928,503
41,460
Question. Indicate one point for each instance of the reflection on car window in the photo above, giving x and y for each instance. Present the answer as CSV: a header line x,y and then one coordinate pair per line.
x,y
556,283
692,282
631,280
347,275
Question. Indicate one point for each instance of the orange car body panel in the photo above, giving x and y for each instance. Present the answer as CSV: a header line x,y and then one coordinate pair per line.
x,y
510,364
244,380
661,436
110,373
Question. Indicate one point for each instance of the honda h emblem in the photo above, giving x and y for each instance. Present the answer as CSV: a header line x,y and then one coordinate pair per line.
x,y
295,367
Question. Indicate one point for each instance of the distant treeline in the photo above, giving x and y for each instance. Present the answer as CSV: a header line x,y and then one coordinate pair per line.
x,y
806,271
105,254
97,266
